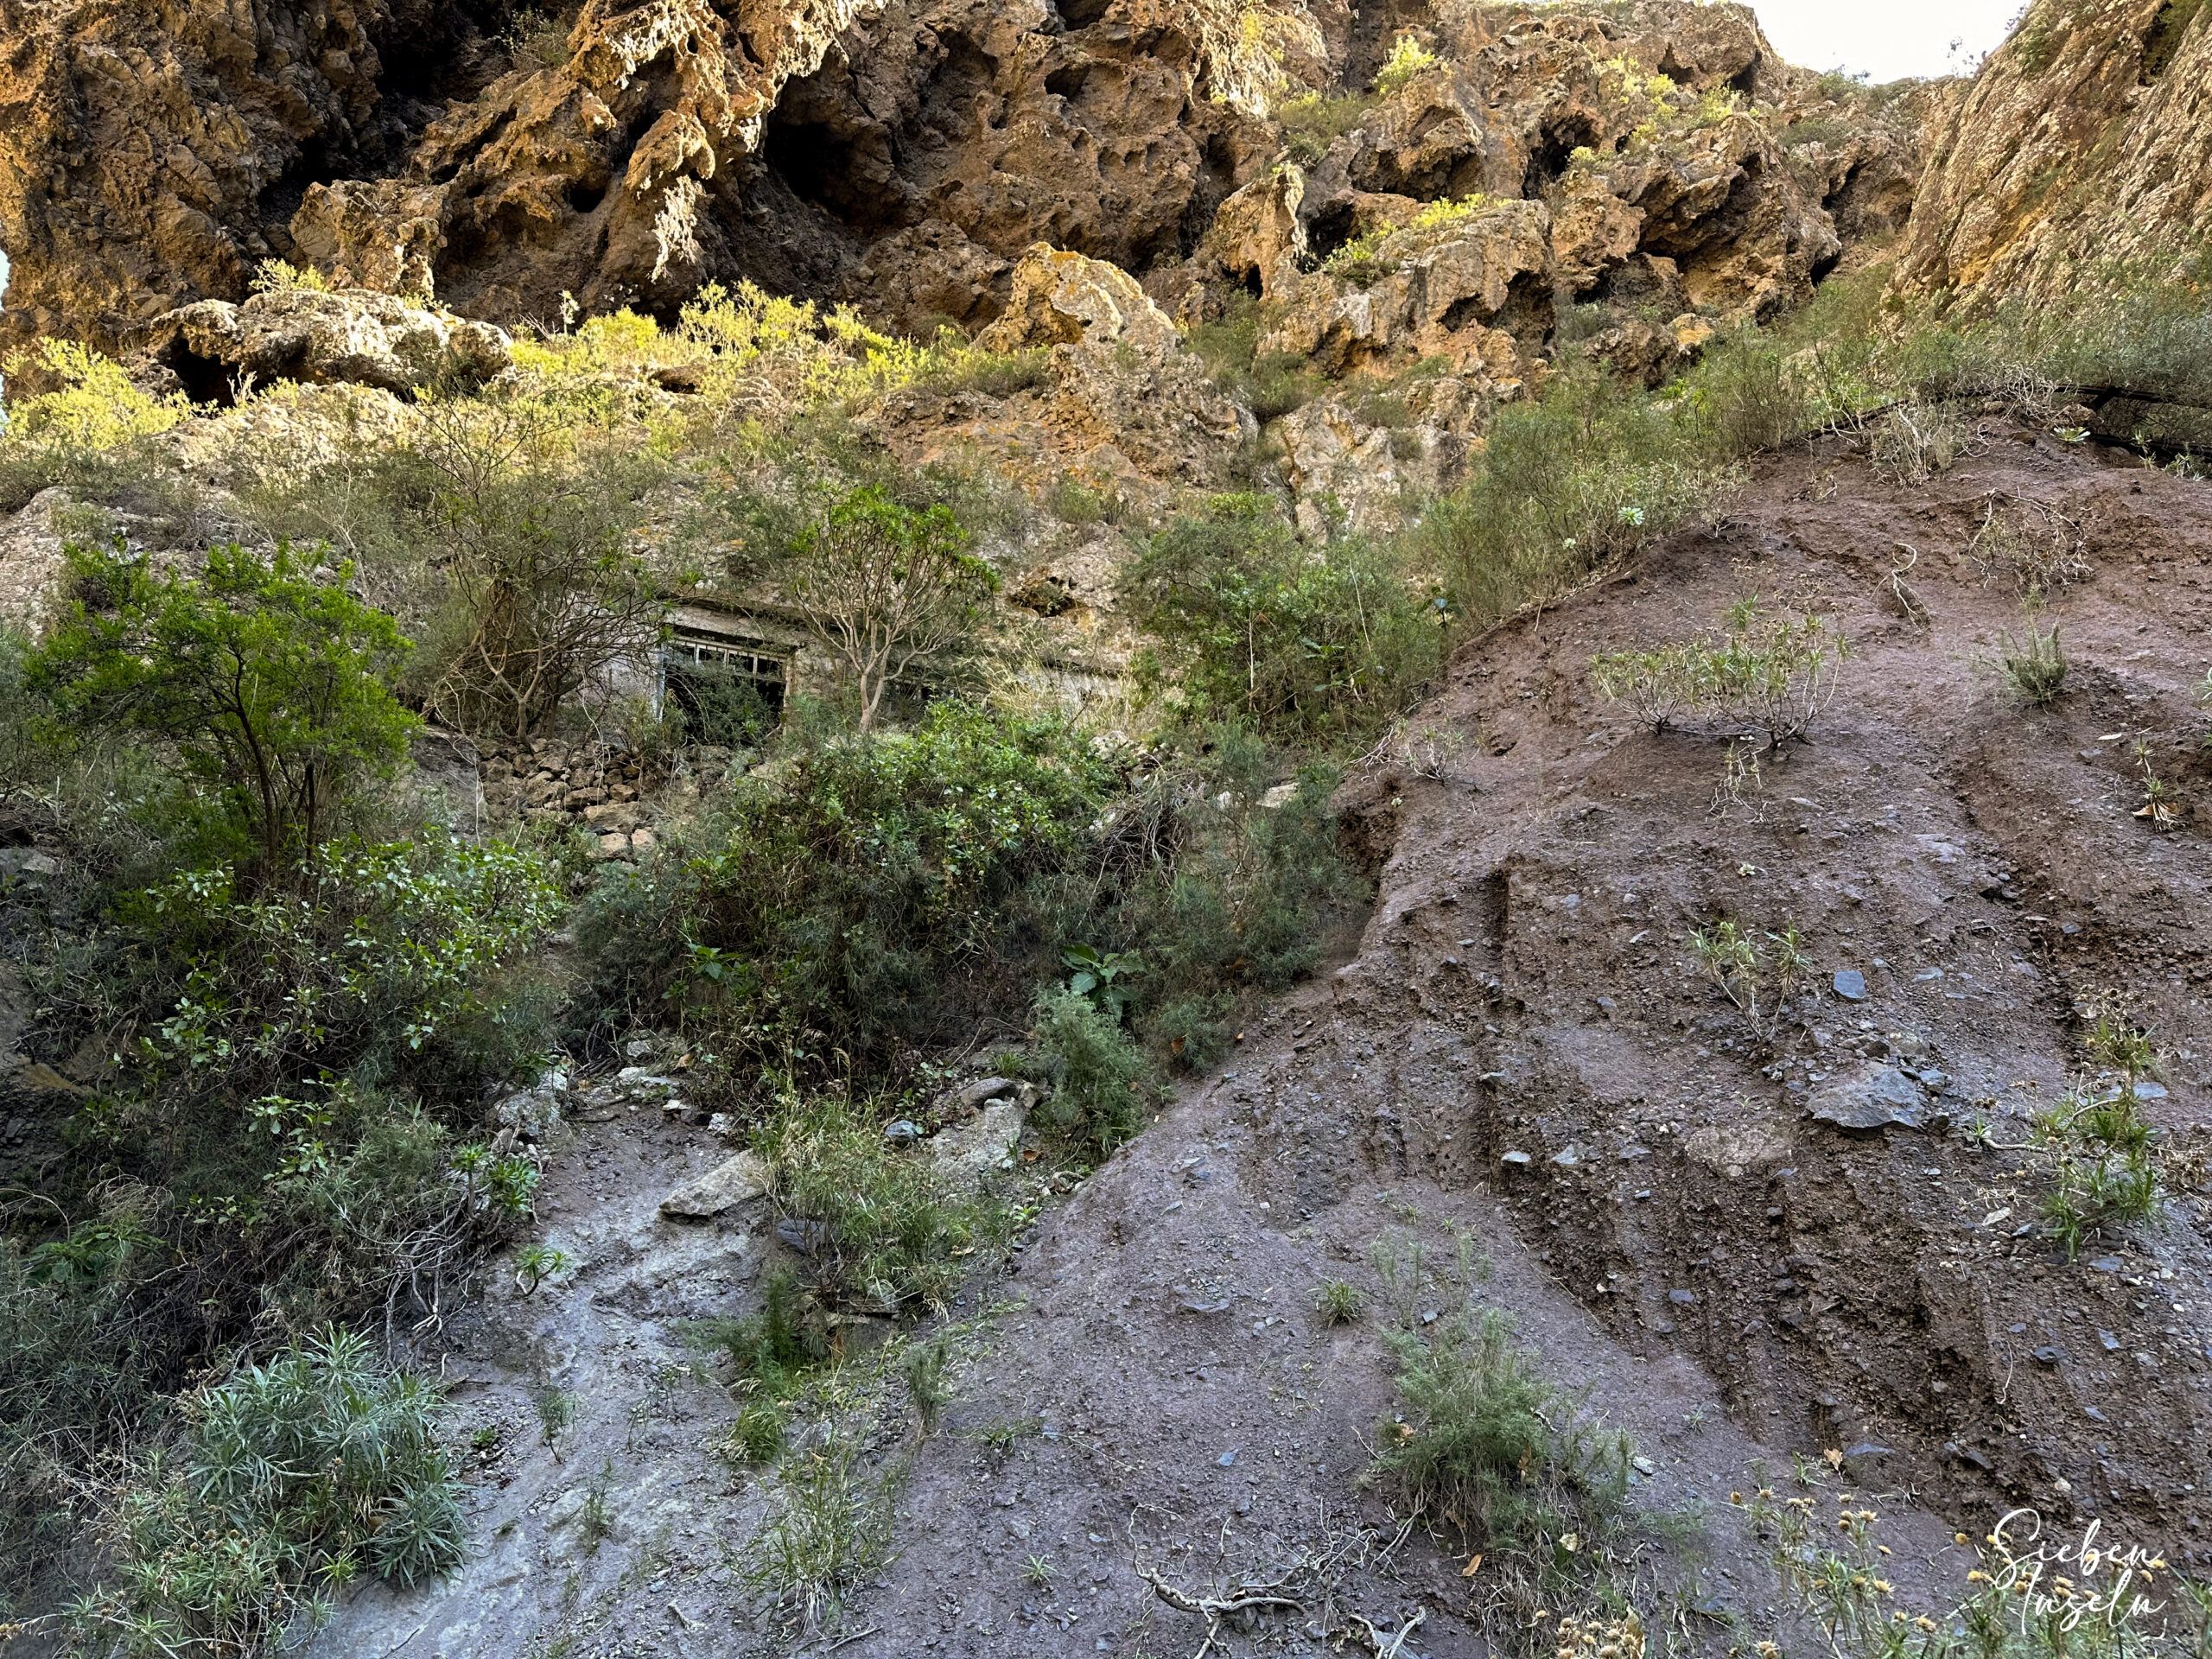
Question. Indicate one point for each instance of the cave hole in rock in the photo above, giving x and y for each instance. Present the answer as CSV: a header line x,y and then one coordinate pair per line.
x,y
2162,40
1547,156
1330,227
1746,79
1067,81
828,169
585,195
205,380
1082,14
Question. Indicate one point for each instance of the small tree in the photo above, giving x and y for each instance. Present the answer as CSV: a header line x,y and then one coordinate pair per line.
x,y
270,684
886,588
539,588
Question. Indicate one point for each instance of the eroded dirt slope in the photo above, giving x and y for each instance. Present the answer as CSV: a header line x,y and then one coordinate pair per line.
x,y
1681,1230
1517,1069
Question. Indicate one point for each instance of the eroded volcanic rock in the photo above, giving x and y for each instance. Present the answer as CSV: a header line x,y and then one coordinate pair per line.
x,y
904,155
2077,155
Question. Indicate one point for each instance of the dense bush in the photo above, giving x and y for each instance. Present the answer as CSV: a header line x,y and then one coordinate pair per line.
x,y
868,891
268,686
1096,1072
296,1476
1580,477
864,898
1309,644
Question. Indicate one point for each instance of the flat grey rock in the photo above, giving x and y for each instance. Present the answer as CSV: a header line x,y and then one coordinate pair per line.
x,y
1851,985
1878,1097
720,1188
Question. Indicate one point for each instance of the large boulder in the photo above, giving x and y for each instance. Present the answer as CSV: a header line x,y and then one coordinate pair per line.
x,y
353,337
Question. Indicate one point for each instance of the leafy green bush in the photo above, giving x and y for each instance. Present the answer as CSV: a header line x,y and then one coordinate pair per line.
x,y
887,1231
296,1476
1490,1447
385,964
268,686
852,892
1308,645
1097,1072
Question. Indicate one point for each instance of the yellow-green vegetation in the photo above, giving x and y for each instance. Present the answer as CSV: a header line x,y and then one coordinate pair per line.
x,y
279,275
93,427
2032,1589
1408,57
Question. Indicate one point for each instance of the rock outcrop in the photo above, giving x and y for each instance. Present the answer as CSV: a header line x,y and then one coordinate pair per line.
x,y
2079,156
151,157
904,154
355,337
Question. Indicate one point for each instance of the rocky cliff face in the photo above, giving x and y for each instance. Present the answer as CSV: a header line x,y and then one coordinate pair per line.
x,y
904,154
2078,154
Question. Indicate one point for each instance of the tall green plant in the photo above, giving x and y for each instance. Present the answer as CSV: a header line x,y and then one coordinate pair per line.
x,y
268,686
1310,644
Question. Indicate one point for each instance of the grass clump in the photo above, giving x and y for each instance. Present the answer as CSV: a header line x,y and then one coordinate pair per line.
x,y
2103,1168
885,1232
1339,1302
1475,1446
831,1525
2035,667
296,1476
927,1384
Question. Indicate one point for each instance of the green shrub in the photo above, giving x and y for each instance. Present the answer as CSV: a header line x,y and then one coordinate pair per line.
x,y
391,964
1098,1095
2035,668
1407,59
296,1476
1487,1445
1758,675
1308,645
534,588
268,686
868,891
1311,123
1569,483
889,1230
774,1347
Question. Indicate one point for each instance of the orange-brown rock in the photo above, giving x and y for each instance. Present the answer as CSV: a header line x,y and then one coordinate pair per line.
x,y
149,154
2081,155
